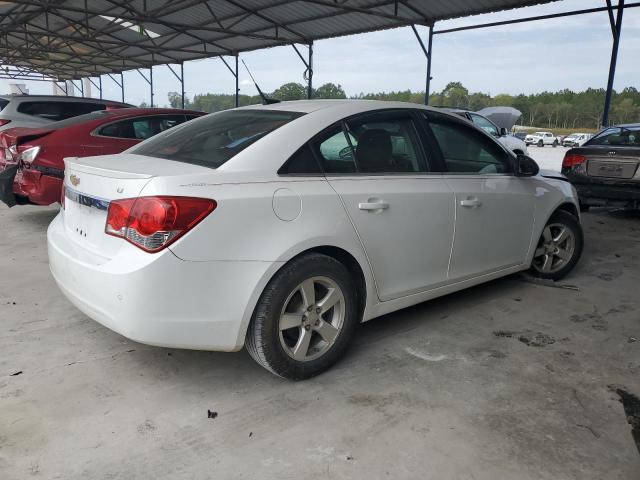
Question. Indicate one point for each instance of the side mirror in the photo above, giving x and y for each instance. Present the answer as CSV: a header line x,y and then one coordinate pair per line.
x,y
503,131
526,166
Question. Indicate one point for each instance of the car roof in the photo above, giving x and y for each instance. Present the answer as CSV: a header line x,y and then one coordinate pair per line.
x,y
309,106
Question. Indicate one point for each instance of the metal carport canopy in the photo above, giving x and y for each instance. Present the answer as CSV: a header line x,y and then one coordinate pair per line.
x,y
71,39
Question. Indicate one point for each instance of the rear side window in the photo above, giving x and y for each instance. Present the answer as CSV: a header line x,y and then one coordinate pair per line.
x,y
213,139
141,128
58,110
617,136
3,103
465,150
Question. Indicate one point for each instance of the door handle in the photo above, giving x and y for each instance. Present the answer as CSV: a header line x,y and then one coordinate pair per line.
x,y
373,205
470,202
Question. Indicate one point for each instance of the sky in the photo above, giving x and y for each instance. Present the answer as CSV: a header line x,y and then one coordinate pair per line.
x,y
548,55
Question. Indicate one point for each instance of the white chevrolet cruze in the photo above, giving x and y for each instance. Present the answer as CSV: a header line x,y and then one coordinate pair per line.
x,y
281,227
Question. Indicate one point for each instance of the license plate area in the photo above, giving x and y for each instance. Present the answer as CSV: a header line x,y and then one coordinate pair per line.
x,y
85,218
612,168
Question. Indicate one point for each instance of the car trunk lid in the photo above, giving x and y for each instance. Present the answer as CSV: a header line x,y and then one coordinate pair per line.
x,y
608,162
91,183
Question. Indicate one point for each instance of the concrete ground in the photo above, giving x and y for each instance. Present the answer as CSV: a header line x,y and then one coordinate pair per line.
x,y
509,380
548,157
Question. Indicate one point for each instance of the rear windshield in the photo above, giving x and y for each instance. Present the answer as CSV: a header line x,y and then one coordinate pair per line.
x,y
3,103
213,139
617,136
87,117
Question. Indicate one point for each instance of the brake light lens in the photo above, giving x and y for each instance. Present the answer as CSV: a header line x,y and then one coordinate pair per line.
x,y
153,223
573,159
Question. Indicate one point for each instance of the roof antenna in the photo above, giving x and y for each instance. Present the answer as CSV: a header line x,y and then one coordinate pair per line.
x,y
265,100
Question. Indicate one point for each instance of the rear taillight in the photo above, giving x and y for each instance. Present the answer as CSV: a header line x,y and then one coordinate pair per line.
x,y
573,159
152,223
4,121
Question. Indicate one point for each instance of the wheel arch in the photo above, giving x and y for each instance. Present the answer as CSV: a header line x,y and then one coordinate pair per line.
x,y
362,277
569,208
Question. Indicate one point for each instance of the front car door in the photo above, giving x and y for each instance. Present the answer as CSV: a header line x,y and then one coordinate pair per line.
x,y
494,208
403,214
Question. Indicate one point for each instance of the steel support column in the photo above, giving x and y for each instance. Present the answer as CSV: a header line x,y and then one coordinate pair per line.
x,y
180,79
237,94
97,85
310,72
427,53
308,63
236,76
149,80
122,85
182,83
616,27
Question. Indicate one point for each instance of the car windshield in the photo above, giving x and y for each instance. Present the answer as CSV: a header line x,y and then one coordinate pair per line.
x,y
540,134
573,135
213,139
618,136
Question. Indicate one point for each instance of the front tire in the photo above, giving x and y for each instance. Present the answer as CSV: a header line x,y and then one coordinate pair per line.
x,y
559,247
305,318
555,143
540,143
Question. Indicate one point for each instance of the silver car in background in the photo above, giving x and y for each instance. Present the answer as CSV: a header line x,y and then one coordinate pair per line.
x,y
39,110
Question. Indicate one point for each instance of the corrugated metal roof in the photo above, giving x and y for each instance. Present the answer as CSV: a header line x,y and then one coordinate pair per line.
x,y
65,40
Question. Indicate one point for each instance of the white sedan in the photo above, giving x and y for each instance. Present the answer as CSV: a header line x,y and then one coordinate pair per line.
x,y
281,227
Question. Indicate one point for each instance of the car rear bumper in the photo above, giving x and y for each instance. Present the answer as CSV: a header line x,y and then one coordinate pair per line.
x,y
595,192
39,189
158,299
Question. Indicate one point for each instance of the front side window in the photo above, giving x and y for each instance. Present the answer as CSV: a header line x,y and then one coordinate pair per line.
x,y
465,150
214,139
485,125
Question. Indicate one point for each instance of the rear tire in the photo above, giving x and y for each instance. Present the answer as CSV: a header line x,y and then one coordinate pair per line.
x,y
305,318
559,247
555,143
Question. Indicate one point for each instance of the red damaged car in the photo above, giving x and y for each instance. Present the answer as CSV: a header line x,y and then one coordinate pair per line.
x,y
31,159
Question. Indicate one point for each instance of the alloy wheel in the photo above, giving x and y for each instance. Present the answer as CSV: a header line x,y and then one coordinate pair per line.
x,y
555,248
311,319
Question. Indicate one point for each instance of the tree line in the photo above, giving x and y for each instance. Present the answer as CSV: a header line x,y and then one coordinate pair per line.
x,y
562,109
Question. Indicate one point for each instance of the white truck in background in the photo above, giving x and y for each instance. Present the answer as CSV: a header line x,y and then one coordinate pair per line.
x,y
541,139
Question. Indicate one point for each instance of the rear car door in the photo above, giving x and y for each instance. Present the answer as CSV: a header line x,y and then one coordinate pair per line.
x,y
494,208
403,214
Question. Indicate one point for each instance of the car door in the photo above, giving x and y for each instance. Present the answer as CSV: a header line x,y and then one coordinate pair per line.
x,y
403,214
494,208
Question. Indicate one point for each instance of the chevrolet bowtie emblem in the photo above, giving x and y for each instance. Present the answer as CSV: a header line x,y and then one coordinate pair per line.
x,y
74,180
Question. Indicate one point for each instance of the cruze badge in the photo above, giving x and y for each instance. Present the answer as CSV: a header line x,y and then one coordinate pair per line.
x,y
612,153
75,181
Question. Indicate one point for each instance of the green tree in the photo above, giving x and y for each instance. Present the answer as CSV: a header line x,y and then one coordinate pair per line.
x,y
175,100
290,91
329,90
